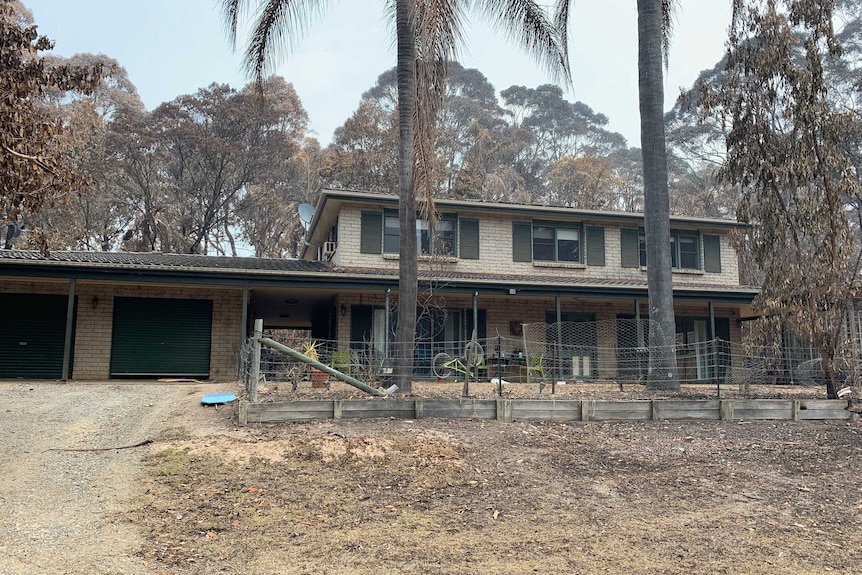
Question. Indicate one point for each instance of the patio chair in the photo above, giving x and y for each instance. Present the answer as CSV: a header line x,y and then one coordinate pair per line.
x,y
534,366
341,361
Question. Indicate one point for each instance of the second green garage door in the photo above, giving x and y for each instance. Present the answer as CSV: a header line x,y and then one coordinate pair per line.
x,y
161,337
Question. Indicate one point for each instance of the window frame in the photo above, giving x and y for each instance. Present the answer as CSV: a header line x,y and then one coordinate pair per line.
x,y
556,226
676,250
392,234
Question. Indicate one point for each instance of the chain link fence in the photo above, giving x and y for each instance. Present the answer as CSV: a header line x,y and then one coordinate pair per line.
x,y
614,351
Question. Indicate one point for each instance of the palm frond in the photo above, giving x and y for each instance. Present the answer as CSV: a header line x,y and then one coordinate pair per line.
x,y
231,10
279,25
438,31
561,21
526,23
668,13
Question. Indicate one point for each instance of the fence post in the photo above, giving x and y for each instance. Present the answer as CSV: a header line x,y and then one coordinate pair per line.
x,y
504,409
243,412
255,360
716,364
499,352
725,407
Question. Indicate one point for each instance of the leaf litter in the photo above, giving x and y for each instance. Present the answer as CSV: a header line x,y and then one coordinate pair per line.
x,y
443,496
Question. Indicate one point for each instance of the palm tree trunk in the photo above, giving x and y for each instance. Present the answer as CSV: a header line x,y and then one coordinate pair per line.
x,y
407,259
662,334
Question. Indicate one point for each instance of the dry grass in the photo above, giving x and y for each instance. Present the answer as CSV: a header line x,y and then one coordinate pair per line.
x,y
437,496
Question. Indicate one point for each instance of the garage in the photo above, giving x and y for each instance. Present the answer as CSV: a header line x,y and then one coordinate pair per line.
x,y
160,337
32,335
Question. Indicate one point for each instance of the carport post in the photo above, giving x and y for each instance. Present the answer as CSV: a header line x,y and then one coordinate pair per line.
x,y
67,343
254,376
243,324
243,330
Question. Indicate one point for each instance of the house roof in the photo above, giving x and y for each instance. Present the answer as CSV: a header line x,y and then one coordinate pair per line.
x,y
287,273
158,260
552,285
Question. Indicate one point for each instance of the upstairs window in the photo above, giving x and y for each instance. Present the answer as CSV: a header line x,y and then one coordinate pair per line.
x,y
543,241
556,243
391,232
684,250
441,239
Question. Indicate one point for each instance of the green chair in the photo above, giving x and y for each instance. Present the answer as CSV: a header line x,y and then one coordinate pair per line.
x,y
534,366
341,361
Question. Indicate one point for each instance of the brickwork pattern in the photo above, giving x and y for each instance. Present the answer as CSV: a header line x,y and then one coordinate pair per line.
x,y
495,253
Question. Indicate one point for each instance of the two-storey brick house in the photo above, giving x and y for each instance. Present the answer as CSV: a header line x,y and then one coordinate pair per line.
x,y
528,264
96,315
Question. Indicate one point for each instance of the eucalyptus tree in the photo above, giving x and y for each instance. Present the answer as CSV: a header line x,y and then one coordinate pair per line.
x,y
138,187
35,168
427,34
216,143
557,129
786,147
362,154
95,219
586,182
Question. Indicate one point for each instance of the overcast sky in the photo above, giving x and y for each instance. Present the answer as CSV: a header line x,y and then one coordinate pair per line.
x,y
174,47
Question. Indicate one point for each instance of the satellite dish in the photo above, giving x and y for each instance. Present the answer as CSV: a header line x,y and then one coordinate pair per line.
x,y
306,212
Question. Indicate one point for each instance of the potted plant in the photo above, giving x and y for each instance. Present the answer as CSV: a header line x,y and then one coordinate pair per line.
x,y
318,377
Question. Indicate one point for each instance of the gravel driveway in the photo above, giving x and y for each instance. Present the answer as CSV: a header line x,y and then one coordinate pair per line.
x,y
62,508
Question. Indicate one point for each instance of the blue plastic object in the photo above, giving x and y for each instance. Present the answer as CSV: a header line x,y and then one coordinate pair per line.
x,y
217,398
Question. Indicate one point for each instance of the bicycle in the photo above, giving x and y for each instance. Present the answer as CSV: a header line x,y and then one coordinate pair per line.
x,y
444,365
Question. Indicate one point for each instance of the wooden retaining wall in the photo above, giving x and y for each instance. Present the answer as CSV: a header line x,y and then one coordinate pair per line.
x,y
549,410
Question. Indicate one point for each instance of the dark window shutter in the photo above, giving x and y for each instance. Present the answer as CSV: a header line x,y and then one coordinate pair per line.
x,y
595,246
629,249
469,239
372,233
712,254
522,242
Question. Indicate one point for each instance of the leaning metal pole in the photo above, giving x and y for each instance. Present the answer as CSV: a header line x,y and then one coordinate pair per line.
x,y
299,356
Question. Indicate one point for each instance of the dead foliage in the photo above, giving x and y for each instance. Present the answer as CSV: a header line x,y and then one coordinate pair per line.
x,y
438,496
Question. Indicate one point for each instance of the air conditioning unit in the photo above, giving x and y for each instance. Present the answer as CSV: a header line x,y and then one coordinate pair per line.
x,y
328,250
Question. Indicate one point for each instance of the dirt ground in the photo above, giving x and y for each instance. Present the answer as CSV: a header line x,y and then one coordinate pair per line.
x,y
426,496
283,391
64,499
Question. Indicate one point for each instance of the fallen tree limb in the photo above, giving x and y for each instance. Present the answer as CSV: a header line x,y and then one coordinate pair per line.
x,y
138,444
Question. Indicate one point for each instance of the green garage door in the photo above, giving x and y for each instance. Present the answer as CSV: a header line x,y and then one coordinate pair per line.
x,y
32,334
161,337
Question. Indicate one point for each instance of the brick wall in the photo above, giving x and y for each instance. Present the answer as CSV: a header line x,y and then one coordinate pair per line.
x,y
495,253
